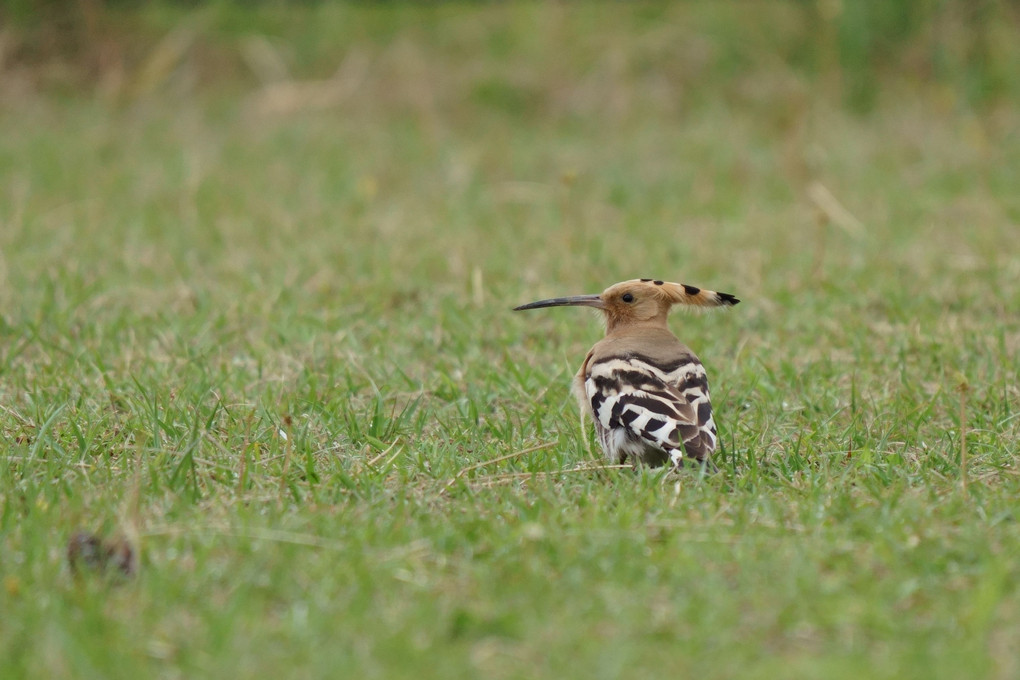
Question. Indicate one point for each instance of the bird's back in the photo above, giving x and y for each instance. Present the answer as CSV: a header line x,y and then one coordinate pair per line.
x,y
648,395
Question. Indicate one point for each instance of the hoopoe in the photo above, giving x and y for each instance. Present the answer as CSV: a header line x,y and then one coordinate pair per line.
x,y
646,391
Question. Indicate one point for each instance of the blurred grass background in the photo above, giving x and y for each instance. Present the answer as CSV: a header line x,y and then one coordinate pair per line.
x,y
256,266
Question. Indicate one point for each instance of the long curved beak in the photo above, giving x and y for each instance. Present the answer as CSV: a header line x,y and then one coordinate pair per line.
x,y
572,301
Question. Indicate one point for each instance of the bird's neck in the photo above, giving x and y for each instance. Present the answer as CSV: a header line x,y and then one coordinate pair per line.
x,y
626,327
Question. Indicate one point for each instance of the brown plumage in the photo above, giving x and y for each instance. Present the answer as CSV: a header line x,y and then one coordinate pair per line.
x,y
646,391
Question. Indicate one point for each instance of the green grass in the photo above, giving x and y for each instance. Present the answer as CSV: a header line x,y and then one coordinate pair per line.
x,y
266,340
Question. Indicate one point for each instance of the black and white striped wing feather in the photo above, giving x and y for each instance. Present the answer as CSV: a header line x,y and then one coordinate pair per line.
x,y
651,413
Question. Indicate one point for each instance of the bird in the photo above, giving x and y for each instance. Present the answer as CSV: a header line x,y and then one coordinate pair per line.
x,y
646,392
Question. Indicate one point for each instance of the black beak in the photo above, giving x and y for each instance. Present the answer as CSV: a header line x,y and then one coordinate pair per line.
x,y
572,301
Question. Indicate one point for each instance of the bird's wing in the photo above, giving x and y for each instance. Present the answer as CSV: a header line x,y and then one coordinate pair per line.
x,y
691,381
667,410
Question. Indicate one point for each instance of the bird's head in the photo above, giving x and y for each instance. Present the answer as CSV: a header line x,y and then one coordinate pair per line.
x,y
639,301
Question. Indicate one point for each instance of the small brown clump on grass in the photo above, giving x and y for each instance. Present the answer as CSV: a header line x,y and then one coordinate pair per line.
x,y
88,552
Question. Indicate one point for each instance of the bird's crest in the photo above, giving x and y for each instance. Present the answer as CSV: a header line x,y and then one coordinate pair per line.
x,y
673,293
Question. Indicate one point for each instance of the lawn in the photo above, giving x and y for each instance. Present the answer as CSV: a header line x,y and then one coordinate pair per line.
x,y
256,277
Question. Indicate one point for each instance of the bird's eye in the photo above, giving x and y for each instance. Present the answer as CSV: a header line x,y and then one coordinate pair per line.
x,y
627,297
